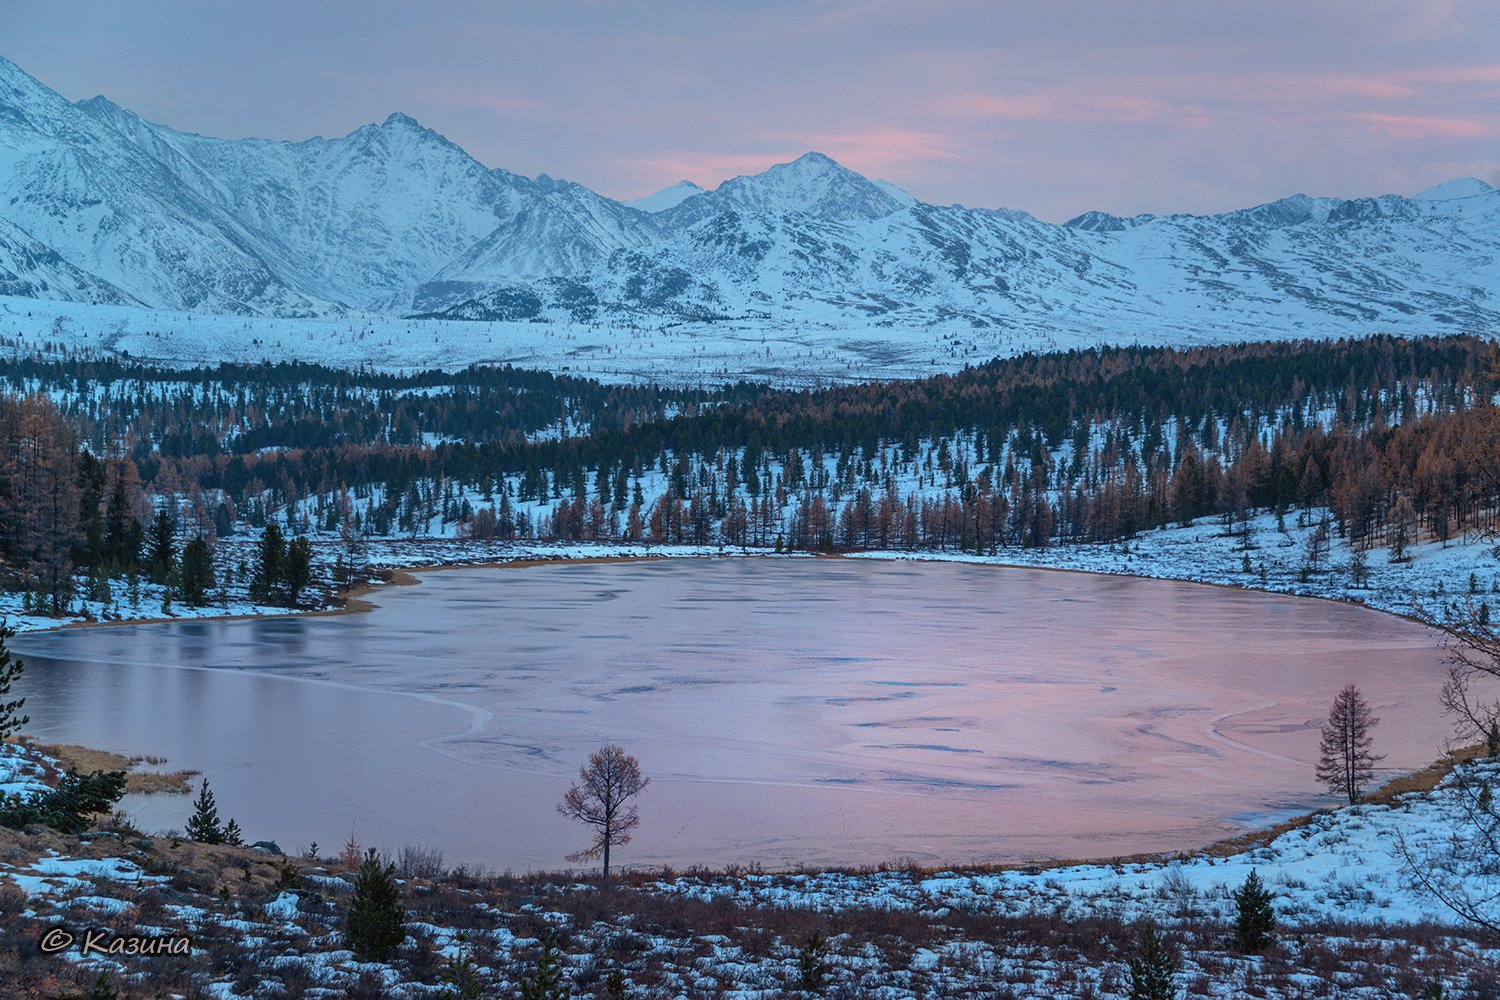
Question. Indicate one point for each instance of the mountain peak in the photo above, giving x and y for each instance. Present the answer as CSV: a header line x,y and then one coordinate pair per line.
x,y
667,197
1460,187
814,158
812,184
397,119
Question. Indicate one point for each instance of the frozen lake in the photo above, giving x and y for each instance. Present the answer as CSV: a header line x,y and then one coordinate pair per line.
x,y
788,711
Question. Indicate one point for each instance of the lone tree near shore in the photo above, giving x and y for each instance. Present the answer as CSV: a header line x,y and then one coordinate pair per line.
x,y
11,719
606,784
203,826
1345,761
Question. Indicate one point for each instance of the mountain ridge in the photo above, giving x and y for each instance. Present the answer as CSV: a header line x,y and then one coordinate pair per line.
x,y
101,205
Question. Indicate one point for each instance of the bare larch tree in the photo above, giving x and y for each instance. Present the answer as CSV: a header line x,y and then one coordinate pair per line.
x,y
1462,870
606,784
1344,758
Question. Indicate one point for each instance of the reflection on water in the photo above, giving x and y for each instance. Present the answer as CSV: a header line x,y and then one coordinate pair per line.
x,y
788,711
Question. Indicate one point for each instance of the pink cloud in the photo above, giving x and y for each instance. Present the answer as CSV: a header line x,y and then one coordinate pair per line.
x,y
1080,107
1462,74
705,169
1425,126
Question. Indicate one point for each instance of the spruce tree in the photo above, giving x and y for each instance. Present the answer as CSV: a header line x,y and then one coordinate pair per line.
x,y
812,965
376,917
203,826
266,582
1152,968
1491,739
11,718
1255,917
197,573
232,835
163,547
545,981
296,572
68,808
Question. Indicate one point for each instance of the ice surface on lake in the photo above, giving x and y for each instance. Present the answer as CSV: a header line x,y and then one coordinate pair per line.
x,y
816,711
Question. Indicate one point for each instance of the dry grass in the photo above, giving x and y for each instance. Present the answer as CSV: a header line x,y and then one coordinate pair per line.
x,y
86,759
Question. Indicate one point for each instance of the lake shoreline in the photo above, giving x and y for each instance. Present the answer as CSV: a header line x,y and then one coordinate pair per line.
x,y
357,602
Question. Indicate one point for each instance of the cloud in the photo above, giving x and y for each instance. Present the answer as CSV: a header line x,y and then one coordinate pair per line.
x,y
1091,106
1426,126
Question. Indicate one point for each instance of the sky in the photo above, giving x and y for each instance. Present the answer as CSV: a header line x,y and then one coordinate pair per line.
x,y
1054,107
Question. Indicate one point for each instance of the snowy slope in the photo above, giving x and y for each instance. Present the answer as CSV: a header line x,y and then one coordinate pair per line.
x,y
811,185
667,197
564,229
107,207
361,219
32,270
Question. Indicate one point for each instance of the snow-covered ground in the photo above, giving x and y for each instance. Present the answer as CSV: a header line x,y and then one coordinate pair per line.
x,y
677,354
23,770
1342,865
796,354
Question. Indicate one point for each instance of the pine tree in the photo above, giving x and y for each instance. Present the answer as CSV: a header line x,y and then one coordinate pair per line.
x,y
1491,740
1152,968
267,579
10,670
545,980
197,573
1345,761
1255,917
376,917
232,835
68,808
812,964
296,572
163,547
203,826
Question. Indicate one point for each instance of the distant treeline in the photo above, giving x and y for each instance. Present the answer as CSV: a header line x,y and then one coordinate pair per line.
x,y
1387,433
145,411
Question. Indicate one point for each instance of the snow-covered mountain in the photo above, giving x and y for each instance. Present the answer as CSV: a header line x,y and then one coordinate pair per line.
x,y
98,205
32,270
667,197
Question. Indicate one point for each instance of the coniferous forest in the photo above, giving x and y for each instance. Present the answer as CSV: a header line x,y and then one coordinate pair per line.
x,y
111,469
